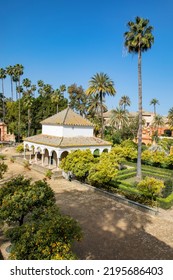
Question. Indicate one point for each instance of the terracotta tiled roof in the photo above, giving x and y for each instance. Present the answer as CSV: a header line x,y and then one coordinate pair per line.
x,y
67,117
61,142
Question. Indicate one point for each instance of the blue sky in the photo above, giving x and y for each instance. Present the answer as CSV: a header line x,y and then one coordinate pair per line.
x,y
68,41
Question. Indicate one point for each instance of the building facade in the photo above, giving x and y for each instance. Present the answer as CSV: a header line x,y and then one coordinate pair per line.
x,y
62,133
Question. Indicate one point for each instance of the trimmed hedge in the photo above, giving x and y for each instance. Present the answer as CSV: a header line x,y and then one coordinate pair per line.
x,y
125,176
126,171
154,175
167,202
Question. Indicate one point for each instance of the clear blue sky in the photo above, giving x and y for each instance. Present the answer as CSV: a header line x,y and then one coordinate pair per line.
x,y
68,41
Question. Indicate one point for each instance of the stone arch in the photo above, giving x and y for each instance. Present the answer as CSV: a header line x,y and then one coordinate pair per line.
x,y
53,158
39,152
46,157
105,150
64,154
96,153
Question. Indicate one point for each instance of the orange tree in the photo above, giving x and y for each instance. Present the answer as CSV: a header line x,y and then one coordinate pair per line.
x,y
19,197
46,235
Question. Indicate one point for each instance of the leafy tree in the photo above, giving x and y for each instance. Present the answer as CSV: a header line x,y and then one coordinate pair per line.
x,y
139,39
147,157
46,235
100,84
151,187
19,197
154,102
79,163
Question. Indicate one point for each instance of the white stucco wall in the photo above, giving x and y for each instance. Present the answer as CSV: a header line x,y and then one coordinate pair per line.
x,y
52,130
67,131
74,131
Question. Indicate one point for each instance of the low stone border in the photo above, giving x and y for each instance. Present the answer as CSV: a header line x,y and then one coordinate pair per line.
x,y
123,200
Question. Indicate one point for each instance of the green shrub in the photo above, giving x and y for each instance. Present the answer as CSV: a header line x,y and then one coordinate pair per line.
x,y
2,157
20,148
48,174
151,187
104,171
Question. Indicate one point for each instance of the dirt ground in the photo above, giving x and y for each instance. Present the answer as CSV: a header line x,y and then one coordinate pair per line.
x,y
112,231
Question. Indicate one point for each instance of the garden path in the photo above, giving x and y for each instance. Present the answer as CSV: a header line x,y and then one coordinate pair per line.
x,y
111,230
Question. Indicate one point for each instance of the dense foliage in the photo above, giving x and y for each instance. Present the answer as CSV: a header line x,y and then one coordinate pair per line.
x,y
46,235
19,197
79,163
37,228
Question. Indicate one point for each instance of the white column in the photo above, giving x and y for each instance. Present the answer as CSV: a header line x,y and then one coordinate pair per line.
x,y
42,159
30,159
24,153
49,159
36,157
58,162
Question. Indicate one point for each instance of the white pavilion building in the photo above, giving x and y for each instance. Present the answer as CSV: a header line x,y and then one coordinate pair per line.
x,y
62,133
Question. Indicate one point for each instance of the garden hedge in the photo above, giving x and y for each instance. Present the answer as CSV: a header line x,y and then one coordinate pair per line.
x,y
167,202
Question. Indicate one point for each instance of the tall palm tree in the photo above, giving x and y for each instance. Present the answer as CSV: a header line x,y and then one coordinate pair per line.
x,y
56,96
158,121
18,72
28,98
124,101
2,77
26,83
33,89
153,102
10,72
100,84
40,83
119,118
62,89
139,39
170,118
94,108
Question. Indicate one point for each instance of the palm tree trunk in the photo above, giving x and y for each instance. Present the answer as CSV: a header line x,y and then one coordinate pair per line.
x,y
139,173
101,102
29,122
3,104
11,88
19,116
